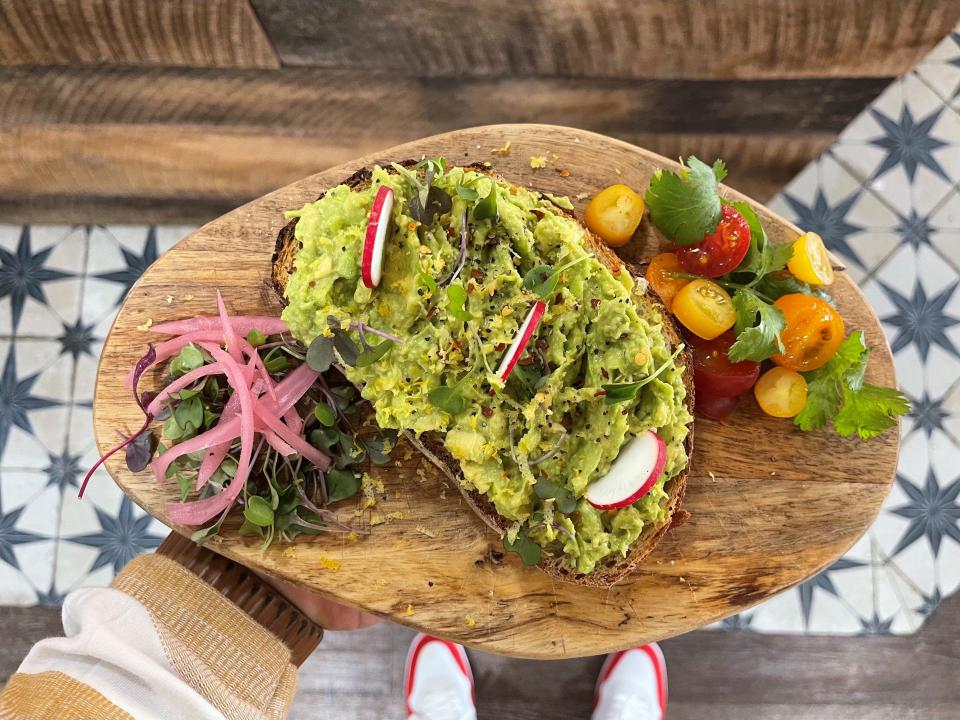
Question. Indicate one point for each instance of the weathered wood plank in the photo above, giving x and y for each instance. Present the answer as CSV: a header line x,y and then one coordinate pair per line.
x,y
152,32
610,38
351,105
173,173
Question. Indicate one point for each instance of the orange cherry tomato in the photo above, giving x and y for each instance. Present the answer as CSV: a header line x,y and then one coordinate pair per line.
x,y
813,333
810,261
659,275
704,308
614,214
780,392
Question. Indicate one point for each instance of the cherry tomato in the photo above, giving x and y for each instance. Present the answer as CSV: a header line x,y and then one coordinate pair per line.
x,y
718,253
814,332
714,374
614,214
704,308
715,407
780,392
810,261
659,276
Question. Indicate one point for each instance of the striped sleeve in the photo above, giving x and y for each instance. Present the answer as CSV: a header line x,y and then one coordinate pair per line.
x,y
159,643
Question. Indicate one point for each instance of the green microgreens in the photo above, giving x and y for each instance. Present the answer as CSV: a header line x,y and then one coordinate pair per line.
x,y
623,392
542,280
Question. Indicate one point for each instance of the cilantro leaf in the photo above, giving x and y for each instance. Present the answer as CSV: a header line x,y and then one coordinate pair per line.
x,y
757,339
685,206
762,256
837,391
869,411
776,286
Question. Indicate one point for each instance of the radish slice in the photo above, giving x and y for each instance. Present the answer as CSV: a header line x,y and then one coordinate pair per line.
x,y
519,343
229,333
634,472
371,263
242,325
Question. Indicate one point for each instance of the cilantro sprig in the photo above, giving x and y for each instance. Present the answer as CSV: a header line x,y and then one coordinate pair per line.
x,y
685,206
837,392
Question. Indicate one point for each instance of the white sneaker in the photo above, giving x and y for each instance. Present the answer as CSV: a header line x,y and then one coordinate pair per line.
x,y
438,682
632,686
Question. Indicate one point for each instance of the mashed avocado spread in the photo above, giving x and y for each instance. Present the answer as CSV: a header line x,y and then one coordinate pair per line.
x,y
549,420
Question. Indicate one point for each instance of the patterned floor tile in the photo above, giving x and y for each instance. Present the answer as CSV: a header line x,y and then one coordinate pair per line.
x,y
40,285
904,147
856,225
941,69
101,533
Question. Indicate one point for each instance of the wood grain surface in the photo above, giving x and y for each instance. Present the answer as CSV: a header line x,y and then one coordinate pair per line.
x,y
668,39
222,33
770,505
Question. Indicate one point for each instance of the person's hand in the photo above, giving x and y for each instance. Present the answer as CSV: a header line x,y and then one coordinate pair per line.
x,y
324,612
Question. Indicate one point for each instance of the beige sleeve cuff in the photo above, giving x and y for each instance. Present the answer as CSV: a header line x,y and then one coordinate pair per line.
x,y
240,667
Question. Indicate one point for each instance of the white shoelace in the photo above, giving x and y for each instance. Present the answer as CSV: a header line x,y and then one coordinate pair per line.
x,y
442,703
623,706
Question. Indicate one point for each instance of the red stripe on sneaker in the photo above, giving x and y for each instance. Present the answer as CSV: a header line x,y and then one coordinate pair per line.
x,y
659,667
413,658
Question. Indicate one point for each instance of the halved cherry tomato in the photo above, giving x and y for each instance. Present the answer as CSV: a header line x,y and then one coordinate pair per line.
x,y
714,374
614,214
813,333
704,308
810,261
715,407
718,253
780,392
659,275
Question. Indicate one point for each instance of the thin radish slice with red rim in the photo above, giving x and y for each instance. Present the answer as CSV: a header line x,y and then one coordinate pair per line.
x,y
634,472
371,262
521,339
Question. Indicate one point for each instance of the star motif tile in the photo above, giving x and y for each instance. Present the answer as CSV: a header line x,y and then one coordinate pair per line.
x,y
904,146
940,70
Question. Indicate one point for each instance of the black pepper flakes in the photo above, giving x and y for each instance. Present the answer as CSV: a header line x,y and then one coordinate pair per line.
x,y
487,411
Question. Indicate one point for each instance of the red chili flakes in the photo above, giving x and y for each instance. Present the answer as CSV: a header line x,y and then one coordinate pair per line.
x,y
432,312
617,269
451,232
500,347
542,343
538,213
487,411
491,392
476,275
455,344
558,299
604,373
470,287
595,303
526,360
600,393
312,283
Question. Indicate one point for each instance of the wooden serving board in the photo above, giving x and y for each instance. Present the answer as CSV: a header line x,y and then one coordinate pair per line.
x,y
770,506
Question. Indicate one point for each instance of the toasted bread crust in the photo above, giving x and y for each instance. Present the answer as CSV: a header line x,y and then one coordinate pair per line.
x,y
610,570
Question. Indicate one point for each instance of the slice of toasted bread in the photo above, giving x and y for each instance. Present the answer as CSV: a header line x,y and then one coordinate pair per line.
x,y
612,568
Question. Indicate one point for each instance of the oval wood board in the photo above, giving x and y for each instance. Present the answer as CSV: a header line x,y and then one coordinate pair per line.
x,y
769,505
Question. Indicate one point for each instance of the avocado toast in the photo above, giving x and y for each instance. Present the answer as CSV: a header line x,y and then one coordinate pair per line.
x,y
523,450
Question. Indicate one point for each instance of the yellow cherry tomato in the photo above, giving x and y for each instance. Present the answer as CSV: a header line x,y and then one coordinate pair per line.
x,y
780,392
660,276
704,308
614,214
810,261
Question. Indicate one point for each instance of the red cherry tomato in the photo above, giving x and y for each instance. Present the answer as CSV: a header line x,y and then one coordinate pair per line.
x,y
721,252
713,373
715,407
